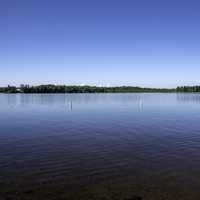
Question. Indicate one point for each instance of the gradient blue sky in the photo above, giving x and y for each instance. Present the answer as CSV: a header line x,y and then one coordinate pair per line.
x,y
153,43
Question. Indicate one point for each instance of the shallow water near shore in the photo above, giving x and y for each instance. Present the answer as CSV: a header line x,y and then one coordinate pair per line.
x,y
100,146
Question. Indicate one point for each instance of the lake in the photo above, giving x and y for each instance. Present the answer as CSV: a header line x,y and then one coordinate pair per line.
x,y
100,146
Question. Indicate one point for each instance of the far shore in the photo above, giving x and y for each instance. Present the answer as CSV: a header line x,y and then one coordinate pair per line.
x,y
93,89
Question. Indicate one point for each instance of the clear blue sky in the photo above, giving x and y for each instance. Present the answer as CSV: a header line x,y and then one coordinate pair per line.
x,y
154,43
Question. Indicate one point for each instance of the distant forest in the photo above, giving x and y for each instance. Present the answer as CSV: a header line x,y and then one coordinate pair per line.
x,y
188,89
90,89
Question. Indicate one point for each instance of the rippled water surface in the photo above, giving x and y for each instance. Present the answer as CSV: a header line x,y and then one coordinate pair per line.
x,y
100,146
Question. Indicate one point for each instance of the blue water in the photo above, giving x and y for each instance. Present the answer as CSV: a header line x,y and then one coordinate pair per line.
x,y
147,140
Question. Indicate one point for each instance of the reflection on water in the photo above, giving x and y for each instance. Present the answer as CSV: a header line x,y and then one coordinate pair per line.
x,y
21,99
64,99
192,97
70,100
112,144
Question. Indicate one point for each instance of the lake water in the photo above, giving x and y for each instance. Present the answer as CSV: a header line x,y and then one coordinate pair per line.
x,y
100,146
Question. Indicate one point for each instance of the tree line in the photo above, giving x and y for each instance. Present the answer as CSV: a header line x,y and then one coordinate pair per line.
x,y
78,89
188,89
90,89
